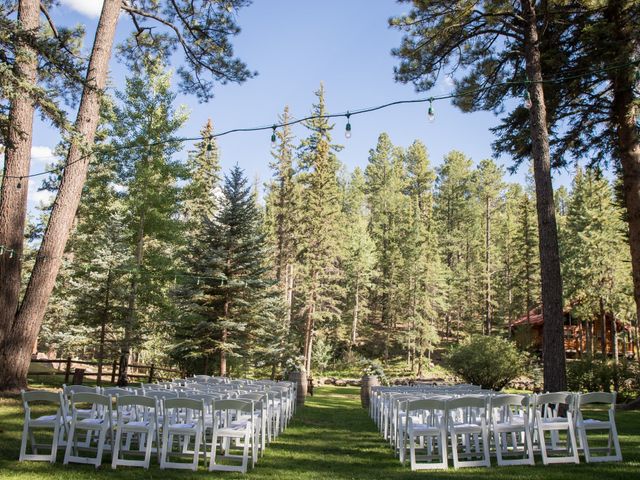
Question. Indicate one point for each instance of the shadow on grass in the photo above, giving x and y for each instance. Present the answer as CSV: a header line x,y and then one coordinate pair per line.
x,y
331,437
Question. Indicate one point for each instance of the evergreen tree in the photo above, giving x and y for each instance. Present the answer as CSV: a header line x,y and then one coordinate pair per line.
x,y
488,183
230,295
359,255
456,214
148,176
283,211
385,187
595,259
321,292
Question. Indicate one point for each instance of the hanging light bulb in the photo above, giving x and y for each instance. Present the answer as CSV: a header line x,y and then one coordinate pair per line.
x,y
347,128
210,144
527,100
19,184
11,253
273,137
431,114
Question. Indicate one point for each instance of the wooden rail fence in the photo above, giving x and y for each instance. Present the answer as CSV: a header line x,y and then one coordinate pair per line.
x,y
153,372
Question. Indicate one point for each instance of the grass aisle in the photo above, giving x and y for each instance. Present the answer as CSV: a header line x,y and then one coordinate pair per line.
x,y
330,438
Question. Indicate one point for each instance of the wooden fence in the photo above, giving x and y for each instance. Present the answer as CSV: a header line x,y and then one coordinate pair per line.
x,y
153,372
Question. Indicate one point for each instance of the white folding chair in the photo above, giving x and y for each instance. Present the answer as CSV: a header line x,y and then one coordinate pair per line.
x,y
548,410
510,421
424,420
99,421
235,420
584,425
261,412
183,419
136,416
56,422
467,418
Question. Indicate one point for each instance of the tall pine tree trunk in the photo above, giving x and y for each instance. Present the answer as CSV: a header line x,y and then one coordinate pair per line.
x,y
603,328
17,159
628,147
16,347
554,364
487,273
356,312
131,325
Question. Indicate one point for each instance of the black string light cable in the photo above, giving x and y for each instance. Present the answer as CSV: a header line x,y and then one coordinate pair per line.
x,y
348,114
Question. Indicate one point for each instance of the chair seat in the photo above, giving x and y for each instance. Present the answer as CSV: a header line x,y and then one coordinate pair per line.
x,y
593,424
466,428
551,423
141,424
421,427
47,421
182,426
90,422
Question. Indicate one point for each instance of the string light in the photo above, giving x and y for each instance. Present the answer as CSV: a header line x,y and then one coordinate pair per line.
x,y
347,128
273,137
527,100
210,144
111,149
19,184
431,114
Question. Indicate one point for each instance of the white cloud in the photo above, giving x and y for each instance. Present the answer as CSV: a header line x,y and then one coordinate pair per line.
x,y
36,197
88,8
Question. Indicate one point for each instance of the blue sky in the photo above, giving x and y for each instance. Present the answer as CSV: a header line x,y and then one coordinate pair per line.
x,y
294,45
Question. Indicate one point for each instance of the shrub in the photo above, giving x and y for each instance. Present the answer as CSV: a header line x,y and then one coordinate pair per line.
x,y
597,374
374,368
491,362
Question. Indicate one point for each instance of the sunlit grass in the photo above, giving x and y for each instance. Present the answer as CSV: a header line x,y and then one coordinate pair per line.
x,y
330,438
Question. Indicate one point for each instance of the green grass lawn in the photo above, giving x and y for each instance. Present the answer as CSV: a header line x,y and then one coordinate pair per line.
x,y
330,438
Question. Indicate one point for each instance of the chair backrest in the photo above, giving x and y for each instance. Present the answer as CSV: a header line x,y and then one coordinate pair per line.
x,y
116,391
235,404
473,401
42,396
426,404
71,389
608,398
136,400
498,401
555,398
186,403
93,398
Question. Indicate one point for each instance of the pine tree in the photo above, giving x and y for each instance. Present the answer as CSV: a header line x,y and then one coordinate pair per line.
x,y
488,183
457,217
283,211
230,294
423,280
321,292
151,198
595,261
359,255
385,187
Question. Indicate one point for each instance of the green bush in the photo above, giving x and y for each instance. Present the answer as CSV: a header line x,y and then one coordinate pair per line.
x,y
491,362
597,374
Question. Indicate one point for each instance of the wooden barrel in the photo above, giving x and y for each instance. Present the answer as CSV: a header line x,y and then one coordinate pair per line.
x,y
300,378
368,381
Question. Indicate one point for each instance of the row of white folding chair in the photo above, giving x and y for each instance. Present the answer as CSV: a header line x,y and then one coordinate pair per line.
x,y
518,419
183,418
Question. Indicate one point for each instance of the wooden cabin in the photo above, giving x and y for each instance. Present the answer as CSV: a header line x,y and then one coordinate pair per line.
x,y
578,333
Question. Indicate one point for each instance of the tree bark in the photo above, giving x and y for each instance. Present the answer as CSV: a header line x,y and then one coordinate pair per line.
x,y
554,363
356,312
17,159
16,347
603,328
487,254
628,147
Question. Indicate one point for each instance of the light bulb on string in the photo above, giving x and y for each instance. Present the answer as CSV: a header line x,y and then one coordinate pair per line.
x,y
273,137
210,144
19,184
431,114
10,253
347,128
527,100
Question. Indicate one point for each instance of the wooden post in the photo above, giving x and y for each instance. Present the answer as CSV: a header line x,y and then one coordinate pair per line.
x,y
114,367
67,371
151,369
